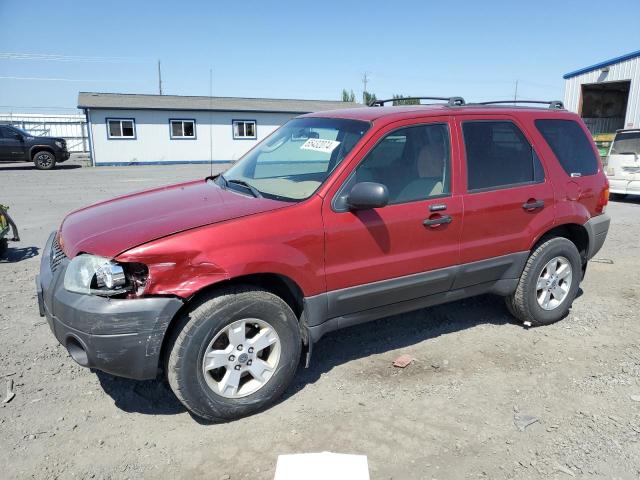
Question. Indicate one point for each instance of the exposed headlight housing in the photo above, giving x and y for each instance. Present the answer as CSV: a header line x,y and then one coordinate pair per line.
x,y
58,143
94,275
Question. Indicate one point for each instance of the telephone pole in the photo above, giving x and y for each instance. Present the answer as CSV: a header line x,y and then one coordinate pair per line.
x,y
159,78
365,80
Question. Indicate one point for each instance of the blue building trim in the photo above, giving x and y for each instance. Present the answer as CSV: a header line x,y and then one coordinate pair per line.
x,y
168,162
606,63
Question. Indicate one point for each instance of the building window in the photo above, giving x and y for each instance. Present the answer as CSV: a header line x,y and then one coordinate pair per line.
x,y
244,130
124,128
182,129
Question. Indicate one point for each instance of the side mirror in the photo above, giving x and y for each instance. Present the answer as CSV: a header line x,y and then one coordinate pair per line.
x,y
17,136
367,195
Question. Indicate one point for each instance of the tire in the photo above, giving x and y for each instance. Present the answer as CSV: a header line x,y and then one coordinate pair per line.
x,y
526,303
209,320
4,246
44,160
616,197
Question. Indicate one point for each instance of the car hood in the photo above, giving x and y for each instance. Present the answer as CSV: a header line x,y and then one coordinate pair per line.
x,y
109,228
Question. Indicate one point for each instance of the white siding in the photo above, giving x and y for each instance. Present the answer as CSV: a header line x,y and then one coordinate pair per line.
x,y
153,143
625,70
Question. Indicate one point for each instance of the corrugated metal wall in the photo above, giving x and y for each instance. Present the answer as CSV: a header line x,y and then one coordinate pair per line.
x,y
73,128
626,70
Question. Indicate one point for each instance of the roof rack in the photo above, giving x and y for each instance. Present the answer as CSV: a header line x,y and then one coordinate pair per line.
x,y
553,104
451,101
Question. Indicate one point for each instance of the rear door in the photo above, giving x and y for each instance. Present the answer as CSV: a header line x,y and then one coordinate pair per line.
x,y
508,198
387,255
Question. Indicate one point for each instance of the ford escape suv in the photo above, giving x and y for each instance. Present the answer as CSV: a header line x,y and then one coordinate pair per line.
x,y
337,218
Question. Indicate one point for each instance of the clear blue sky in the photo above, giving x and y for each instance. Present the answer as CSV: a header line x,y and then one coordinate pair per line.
x,y
313,49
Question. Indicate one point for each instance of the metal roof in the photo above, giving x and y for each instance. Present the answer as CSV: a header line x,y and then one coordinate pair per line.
x,y
227,104
606,63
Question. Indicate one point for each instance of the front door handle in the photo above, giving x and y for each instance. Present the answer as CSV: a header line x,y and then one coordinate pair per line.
x,y
440,220
532,204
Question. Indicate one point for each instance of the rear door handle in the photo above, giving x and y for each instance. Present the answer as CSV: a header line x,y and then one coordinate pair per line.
x,y
533,204
432,222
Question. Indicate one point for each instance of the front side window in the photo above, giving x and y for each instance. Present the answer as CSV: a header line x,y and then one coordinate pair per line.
x,y
244,129
570,145
412,162
498,156
121,128
296,159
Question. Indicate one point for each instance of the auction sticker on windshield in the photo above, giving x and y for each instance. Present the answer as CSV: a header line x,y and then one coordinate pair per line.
x,y
320,145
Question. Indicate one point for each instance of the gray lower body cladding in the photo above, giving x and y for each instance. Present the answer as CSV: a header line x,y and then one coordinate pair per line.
x,y
362,303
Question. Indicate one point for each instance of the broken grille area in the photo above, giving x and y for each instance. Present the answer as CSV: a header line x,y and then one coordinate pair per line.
x,y
57,255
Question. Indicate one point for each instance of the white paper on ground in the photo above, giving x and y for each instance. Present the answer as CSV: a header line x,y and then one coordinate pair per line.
x,y
322,466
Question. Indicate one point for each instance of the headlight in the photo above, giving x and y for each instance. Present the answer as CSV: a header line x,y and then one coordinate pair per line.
x,y
90,274
58,143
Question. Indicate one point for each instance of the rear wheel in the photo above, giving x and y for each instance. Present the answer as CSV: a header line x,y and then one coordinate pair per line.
x,y
235,354
4,246
548,284
44,160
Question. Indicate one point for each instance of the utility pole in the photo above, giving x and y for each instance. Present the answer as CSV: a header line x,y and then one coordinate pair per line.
x,y
515,94
159,78
365,80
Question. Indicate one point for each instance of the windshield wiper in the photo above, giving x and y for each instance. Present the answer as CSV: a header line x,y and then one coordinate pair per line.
x,y
254,191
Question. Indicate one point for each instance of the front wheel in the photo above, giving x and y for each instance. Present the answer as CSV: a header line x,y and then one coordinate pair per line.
x,y
44,160
549,283
236,353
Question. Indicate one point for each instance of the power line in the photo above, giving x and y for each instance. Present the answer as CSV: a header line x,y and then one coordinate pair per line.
x,y
67,58
53,79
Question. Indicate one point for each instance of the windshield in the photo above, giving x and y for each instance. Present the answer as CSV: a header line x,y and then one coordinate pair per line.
x,y
626,142
294,161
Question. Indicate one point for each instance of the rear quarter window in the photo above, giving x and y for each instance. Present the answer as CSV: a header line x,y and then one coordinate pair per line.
x,y
570,145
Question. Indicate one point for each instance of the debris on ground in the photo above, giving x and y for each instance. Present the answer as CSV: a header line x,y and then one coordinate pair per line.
x,y
608,261
522,420
10,394
402,361
635,398
562,469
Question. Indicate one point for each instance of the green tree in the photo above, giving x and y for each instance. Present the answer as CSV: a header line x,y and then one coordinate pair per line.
x,y
403,100
348,96
368,98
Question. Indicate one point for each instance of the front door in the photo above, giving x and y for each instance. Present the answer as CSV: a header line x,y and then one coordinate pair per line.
x,y
387,255
11,145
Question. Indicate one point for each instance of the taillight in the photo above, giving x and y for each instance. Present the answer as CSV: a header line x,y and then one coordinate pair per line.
x,y
603,200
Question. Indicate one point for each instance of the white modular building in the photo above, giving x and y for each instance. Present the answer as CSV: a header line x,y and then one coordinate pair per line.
x,y
607,94
135,129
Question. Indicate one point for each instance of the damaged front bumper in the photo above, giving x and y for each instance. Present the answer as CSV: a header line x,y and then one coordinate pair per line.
x,y
118,336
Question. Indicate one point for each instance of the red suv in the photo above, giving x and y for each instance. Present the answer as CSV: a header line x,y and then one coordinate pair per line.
x,y
335,219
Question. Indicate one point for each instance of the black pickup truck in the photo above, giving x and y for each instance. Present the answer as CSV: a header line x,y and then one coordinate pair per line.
x,y
19,146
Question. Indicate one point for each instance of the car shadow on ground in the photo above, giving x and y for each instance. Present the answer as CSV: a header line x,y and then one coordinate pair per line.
x,y
30,166
14,255
398,332
154,397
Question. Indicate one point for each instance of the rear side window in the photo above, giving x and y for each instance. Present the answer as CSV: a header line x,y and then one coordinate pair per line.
x,y
499,156
570,145
626,143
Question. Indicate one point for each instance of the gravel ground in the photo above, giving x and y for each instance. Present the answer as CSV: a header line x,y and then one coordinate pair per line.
x,y
453,413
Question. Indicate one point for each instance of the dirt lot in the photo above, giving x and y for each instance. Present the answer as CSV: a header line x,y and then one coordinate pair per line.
x,y
450,414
